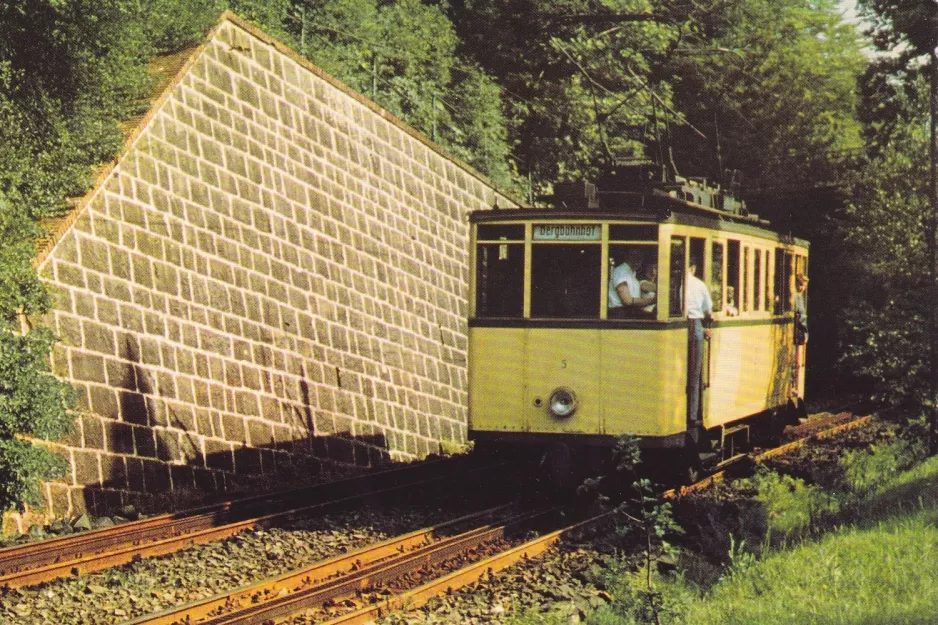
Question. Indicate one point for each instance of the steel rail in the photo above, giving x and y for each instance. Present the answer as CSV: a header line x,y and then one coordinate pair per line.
x,y
720,476
317,573
14,559
127,550
465,576
383,569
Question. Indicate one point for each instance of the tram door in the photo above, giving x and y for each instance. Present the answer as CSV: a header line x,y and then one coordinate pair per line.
x,y
698,350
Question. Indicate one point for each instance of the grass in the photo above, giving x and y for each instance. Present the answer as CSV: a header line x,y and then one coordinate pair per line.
x,y
871,561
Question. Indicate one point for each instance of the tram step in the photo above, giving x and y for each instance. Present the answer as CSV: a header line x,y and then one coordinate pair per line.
x,y
733,429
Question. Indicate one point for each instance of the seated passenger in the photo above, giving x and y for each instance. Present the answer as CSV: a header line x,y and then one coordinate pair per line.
x,y
625,291
648,287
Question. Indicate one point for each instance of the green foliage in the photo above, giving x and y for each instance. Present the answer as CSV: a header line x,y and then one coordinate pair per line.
x,y
404,55
649,522
867,572
865,471
33,402
883,246
791,506
731,54
577,86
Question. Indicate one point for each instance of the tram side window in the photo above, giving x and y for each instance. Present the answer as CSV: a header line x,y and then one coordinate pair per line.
x,y
801,264
732,275
676,275
716,279
500,280
783,281
757,281
767,300
635,267
565,281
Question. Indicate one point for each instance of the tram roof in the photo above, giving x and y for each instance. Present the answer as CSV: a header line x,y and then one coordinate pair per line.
x,y
646,207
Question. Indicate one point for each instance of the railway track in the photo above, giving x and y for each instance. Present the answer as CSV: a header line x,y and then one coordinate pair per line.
x,y
399,573
404,571
820,427
96,550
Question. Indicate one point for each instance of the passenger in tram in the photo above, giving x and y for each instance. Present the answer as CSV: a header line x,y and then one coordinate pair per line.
x,y
699,312
801,310
729,308
649,287
800,340
625,290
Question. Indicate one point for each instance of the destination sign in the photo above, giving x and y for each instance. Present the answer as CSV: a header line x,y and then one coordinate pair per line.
x,y
567,232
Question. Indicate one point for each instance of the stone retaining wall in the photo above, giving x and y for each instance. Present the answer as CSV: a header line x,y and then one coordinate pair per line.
x,y
271,277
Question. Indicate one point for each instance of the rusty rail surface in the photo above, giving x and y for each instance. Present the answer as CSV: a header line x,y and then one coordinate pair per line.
x,y
99,549
762,456
465,576
344,577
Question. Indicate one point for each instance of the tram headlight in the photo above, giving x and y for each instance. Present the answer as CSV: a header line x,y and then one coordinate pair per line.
x,y
562,402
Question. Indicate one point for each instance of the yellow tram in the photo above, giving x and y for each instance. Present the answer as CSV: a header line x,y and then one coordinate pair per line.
x,y
551,360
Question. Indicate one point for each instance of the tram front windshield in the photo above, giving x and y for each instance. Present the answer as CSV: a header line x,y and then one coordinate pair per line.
x,y
564,275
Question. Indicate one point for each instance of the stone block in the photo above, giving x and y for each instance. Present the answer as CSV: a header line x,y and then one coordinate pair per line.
x,y
233,427
113,472
247,461
69,275
69,330
182,476
85,465
91,430
120,438
205,481
98,338
144,441
135,474
87,367
218,455
104,401
261,434
59,501
156,476
246,403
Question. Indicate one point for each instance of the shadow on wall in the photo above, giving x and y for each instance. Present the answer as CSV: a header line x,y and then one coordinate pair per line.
x,y
165,450
154,485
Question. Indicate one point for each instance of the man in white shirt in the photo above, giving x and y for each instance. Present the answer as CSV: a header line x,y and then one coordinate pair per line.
x,y
625,291
699,311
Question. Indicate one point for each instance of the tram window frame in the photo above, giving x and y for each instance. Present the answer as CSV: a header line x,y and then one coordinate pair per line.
x,y
677,267
717,274
733,255
508,283
642,254
746,278
784,281
767,299
756,279
801,264
564,286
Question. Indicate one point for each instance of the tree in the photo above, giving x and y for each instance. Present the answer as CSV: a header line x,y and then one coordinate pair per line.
x,y
772,85
884,251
